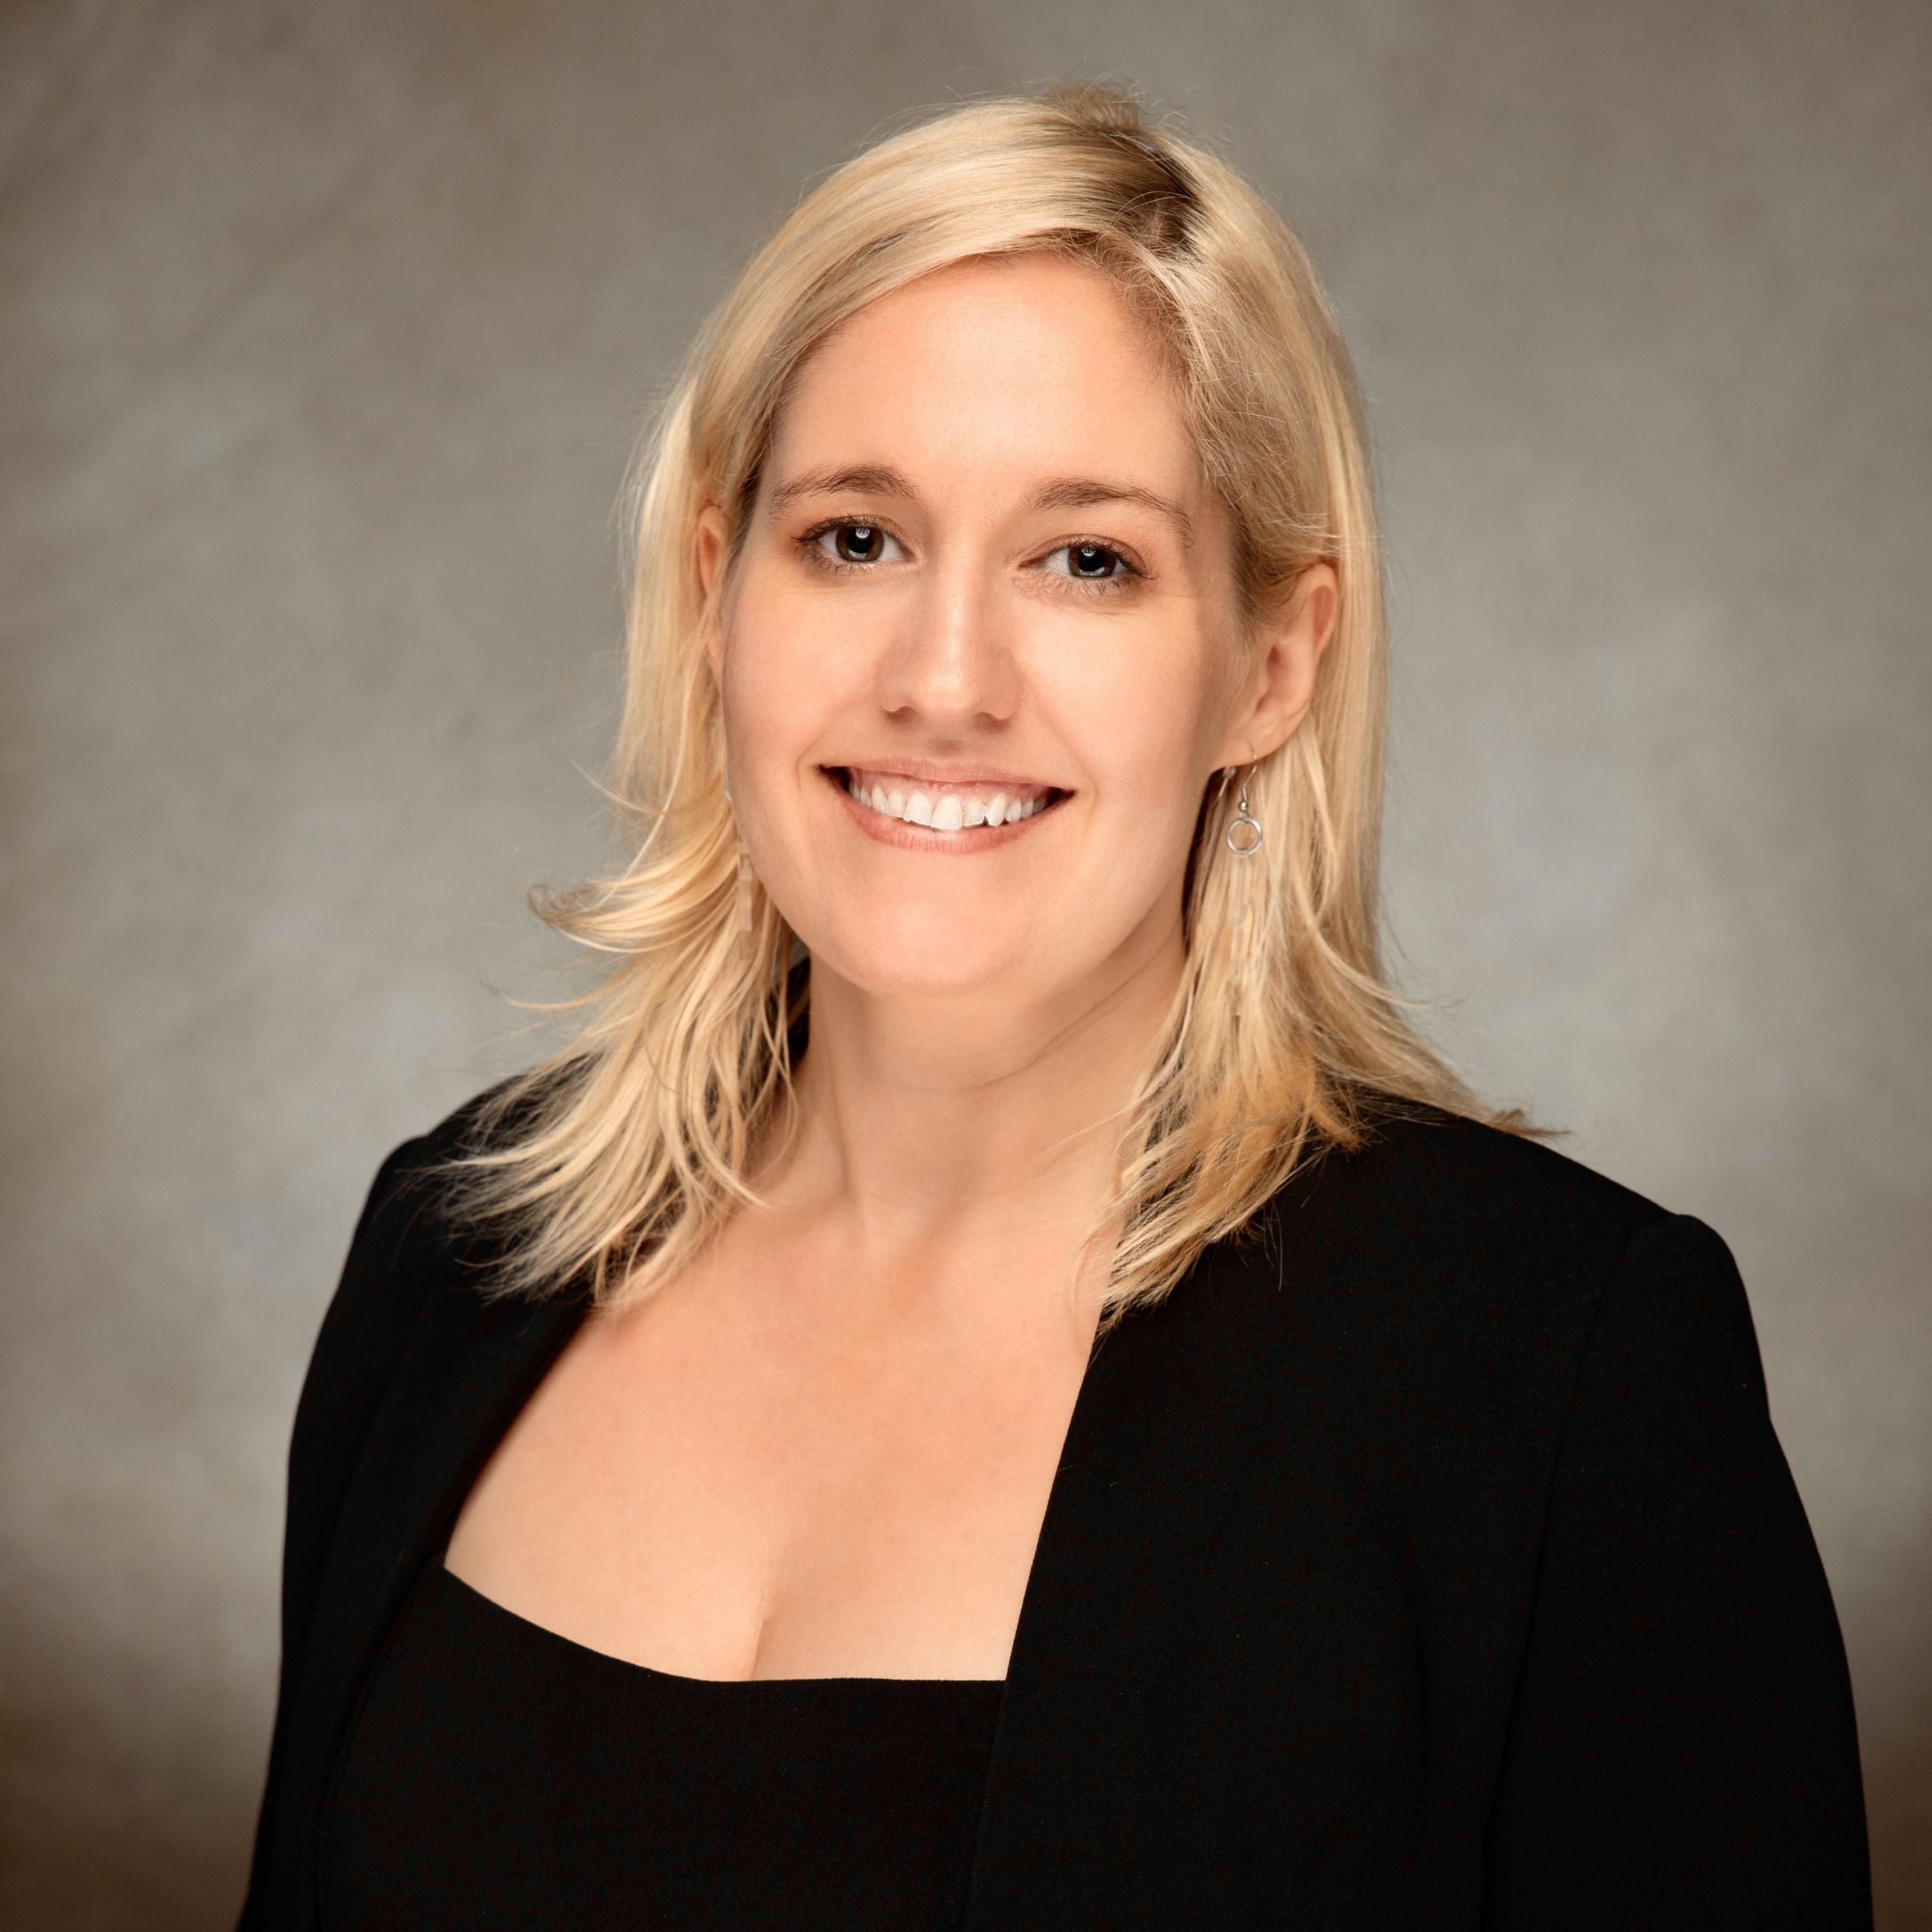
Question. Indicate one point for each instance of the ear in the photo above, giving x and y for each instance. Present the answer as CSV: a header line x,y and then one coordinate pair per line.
x,y
712,545
1280,685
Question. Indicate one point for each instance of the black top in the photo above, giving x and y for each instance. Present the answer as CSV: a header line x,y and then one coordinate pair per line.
x,y
1426,1559
501,1775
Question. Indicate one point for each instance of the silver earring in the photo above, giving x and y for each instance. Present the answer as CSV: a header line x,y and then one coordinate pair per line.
x,y
1244,832
1243,837
743,918
744,888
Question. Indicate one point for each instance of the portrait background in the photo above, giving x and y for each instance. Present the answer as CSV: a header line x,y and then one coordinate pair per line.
x,y
324,334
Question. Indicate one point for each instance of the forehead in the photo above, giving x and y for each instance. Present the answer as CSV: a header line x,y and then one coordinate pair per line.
x,y
991,371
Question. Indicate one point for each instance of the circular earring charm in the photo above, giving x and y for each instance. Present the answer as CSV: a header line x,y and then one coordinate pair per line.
x,y
1244,833
1244,838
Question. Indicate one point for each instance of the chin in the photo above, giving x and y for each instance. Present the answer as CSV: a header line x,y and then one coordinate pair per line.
x,y
896,957
920,980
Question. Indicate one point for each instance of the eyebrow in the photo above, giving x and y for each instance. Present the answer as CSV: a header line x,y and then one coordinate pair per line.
x,y
867,479
1078,493
1064,493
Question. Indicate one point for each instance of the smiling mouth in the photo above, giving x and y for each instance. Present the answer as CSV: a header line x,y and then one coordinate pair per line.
x,y
946,809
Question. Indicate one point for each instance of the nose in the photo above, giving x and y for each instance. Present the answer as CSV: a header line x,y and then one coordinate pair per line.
x,y
952,664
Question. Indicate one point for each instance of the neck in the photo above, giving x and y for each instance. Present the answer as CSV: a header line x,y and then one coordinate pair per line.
x,y
919,1122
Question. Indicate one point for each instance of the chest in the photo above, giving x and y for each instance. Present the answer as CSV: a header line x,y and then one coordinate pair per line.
x,y
710,1494
1257,1637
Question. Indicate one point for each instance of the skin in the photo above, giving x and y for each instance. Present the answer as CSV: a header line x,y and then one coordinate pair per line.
x,y
826,1449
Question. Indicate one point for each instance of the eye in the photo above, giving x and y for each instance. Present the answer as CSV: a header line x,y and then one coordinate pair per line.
x,y
853,542
1090,563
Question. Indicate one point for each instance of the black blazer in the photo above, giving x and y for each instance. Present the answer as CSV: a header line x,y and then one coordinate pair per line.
x,y
1425,1560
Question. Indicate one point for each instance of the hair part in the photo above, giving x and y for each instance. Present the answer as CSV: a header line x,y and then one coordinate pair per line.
x,y
613,1163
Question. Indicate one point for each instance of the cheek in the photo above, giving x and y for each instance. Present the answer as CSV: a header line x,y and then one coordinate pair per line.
x,y
1143,729
1142,725
795,670
785,673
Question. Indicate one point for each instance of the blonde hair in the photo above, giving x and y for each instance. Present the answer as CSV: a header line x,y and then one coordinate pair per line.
x,y
613,1161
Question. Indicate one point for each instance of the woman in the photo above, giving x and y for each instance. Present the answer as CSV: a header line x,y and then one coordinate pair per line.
x,y
996,1382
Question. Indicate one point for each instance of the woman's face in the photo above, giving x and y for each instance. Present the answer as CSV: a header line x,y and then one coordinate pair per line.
x,y
981,651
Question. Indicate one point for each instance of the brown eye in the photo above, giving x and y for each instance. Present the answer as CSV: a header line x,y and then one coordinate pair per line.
x,y
858,543
853,543
1090,563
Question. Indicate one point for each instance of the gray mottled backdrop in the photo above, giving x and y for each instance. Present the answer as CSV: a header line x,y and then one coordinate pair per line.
x,y
325,331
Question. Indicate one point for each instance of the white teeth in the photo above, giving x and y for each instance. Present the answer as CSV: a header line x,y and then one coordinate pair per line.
x,y
945,811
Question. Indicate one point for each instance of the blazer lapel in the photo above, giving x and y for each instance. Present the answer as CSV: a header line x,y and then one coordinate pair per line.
x,y
1059,1840
469,1367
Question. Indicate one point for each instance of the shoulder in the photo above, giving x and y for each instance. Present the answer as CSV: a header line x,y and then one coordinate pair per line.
x,y
1433,1315
1445,1199
1445,1177
415,1203
405,1248
1449,1253
406,1221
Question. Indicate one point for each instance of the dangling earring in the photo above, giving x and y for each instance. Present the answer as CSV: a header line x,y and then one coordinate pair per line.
x,y
1244,837
744,905
744,889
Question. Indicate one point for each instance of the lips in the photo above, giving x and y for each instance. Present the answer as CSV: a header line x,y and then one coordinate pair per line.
x,y
948,806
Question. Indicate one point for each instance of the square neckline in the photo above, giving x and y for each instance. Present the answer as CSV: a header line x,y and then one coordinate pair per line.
x,y
1083,1398
446,1578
